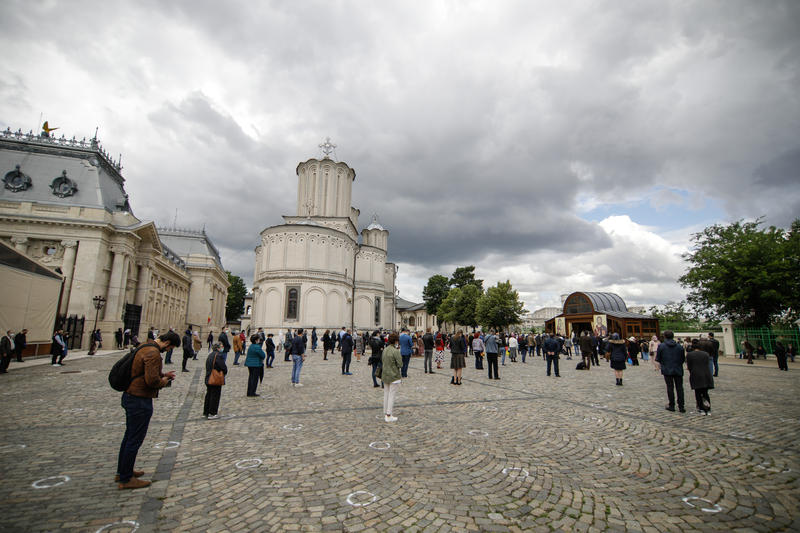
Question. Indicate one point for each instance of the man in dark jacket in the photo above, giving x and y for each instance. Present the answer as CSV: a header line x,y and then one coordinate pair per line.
x,y
20,341
298,350
347,352
697,361
376,343
585,344
138,404
551,348
225,344
270,349
671,357
427,344
188,351
6,350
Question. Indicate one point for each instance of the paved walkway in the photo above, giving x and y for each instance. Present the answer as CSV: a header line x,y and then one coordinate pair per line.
x,y
526,453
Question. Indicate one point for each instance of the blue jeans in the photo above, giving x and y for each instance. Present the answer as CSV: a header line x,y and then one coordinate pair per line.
x,y
137,419
236,359
404,369
224,355
503,358
168,357
298,365
270,358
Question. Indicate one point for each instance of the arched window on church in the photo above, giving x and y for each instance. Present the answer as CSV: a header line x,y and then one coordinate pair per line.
x,y
377,311
411,322
292,303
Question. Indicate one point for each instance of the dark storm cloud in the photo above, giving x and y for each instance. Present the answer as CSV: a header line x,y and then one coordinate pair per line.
x,y
475,129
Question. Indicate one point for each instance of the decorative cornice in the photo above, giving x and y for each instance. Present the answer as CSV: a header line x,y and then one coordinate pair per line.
x,y
90,145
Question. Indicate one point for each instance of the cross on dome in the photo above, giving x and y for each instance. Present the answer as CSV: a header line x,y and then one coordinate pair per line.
x,y
328,148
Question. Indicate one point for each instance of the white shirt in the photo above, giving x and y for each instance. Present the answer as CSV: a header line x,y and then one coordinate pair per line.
x,y
512,342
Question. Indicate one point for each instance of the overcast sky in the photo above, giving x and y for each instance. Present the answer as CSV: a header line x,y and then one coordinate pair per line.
x,y
561,145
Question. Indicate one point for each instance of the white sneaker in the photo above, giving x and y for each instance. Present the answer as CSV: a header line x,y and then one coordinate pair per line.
x,y
390,418
56,364
298,384
213,417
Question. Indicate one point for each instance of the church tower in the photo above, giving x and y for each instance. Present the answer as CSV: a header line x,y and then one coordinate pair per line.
x,y
312,270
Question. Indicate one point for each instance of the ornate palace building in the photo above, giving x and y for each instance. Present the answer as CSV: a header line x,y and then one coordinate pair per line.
x,y
63,204
312,270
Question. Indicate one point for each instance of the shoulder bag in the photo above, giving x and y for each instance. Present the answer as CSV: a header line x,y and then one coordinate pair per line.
x,y
216,378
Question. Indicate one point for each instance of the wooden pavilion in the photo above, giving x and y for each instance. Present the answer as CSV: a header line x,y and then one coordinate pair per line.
x,y
601,313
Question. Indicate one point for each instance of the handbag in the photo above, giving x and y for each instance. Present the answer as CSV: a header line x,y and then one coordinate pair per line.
x,y
378,371
216,378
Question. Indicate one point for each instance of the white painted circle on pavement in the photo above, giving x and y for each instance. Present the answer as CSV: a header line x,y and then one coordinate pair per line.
x,y
248,463
166,445
478,433
293,427
380,445
489,408
130,523
49,482
741,435
358,495
689,499
516,472
12,447
315,404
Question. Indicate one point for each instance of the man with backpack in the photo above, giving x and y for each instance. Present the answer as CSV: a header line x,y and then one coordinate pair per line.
x,y
137,400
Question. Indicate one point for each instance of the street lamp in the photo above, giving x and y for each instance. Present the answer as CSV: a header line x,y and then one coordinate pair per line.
x,y
99,302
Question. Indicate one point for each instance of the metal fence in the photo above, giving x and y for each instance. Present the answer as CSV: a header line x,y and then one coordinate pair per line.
x,y
766,337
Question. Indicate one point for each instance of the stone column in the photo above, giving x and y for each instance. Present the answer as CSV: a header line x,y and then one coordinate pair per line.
x,y
142,288
116,286
67,269
728,346
20,243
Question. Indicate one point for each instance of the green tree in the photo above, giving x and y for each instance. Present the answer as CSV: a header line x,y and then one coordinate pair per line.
x,y
234,306
675,316
463,276
466,305
434,293
500,307
447,309
743,272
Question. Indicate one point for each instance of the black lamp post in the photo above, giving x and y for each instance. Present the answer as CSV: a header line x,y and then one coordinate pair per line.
x,y
99,302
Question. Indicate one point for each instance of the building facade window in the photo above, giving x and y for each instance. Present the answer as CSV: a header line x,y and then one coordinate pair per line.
x,y
292,303
412,322
377,311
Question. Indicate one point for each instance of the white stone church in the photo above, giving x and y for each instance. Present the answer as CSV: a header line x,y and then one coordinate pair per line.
x,y
313,271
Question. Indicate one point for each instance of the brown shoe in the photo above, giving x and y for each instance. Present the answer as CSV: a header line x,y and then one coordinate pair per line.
x,y
134,483
136,473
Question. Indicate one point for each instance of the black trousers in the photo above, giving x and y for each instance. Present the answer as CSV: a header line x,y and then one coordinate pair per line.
x,y
552,359
478,360
186,357
491,362
782,365
211,405
252,379
346,357
674,385
5,360
699,396
595,359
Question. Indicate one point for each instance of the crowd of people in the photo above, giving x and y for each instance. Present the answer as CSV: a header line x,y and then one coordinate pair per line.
x,y
389,357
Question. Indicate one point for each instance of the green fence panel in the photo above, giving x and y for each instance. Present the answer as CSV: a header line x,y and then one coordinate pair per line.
x,y
766,337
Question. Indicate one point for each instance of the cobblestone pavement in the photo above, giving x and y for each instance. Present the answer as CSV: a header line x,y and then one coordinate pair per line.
x,y
525,453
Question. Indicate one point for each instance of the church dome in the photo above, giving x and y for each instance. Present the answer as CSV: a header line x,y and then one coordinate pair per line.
x,y
375,224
